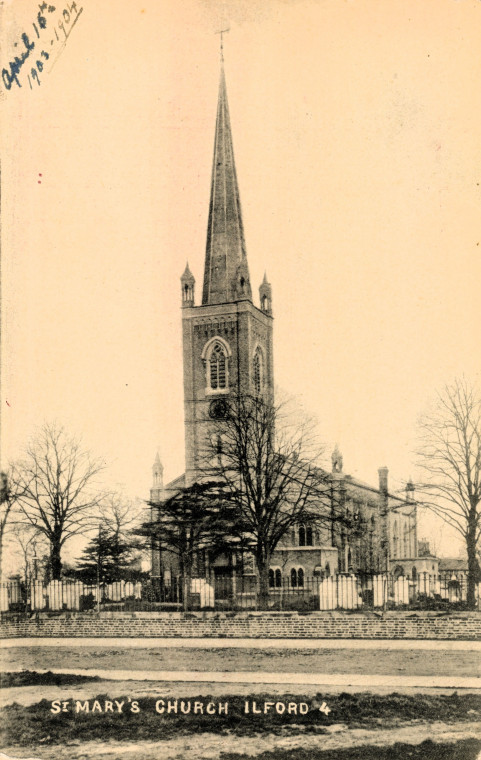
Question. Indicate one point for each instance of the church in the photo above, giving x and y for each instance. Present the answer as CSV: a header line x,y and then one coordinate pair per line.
x,y
227,351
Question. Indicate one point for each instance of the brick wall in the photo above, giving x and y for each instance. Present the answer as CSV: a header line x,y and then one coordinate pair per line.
x,y
329,625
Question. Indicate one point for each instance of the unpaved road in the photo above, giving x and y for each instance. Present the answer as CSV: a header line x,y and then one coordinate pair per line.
x,y
208,746
371,662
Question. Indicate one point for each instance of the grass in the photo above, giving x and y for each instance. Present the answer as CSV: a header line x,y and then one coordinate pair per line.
x,y
31,678
36,724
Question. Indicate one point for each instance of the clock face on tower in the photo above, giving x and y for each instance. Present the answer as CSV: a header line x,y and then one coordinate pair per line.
x,y
218,409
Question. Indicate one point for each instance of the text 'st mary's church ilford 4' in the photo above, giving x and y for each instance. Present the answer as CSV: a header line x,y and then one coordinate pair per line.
x,y
228,351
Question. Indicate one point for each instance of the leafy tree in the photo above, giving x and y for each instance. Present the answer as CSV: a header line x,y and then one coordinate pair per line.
x,y
107,557
196,522
450,456
53,484
268,464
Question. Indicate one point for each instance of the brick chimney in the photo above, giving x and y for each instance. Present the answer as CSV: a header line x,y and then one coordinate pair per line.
x,y
409,490
383,473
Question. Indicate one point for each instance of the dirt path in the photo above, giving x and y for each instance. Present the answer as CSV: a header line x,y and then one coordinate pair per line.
x,y
372,662
149,642
209,746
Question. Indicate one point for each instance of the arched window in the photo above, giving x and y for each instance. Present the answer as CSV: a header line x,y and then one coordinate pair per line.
x,y
275,577
217,367
309,536
258,371
297,577
357,556
394,540
215,355
302,535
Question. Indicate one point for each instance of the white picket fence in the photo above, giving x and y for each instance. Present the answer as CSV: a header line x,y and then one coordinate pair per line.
x,y
342,591
349,592
64,595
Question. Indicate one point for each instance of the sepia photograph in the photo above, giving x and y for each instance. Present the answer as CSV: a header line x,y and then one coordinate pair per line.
x,y
240,380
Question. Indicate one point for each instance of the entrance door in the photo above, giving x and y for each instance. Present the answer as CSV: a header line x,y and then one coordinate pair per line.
x,y
223,583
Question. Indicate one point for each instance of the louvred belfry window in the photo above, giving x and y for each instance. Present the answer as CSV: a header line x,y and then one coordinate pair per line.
x,y
257,371
217,368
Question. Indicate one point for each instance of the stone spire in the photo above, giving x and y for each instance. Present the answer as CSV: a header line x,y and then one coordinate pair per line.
x,y
226,274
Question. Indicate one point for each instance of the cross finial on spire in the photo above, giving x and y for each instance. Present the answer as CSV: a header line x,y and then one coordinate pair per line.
x,y
222,32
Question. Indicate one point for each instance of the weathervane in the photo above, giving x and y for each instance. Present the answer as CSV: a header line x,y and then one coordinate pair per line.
x,y
222,32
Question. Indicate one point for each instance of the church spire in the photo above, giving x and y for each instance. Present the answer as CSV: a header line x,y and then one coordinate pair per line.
x,y
226,274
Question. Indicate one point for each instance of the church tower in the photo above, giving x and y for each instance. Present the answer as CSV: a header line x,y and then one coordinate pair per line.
x,y
227,340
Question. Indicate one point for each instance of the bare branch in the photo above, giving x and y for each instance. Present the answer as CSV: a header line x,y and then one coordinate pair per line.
x,y
450,457
55,484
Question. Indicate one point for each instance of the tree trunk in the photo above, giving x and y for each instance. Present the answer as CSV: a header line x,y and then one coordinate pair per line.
x,y
472,561
186,575
55,561
263,570
186,592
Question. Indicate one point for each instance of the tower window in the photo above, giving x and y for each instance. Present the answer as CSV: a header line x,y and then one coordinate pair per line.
x,y
257,371
215,355
218,368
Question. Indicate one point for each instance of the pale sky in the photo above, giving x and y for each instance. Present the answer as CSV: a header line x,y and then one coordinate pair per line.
x,y
356,128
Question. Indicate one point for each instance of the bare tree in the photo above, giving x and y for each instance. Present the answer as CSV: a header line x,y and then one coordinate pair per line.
x,y
269,465
121,514
6,503
114,546
54,482
9,495
33,548
450,455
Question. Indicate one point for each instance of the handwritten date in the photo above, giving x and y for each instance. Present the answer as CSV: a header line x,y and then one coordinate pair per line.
x,y
65,22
